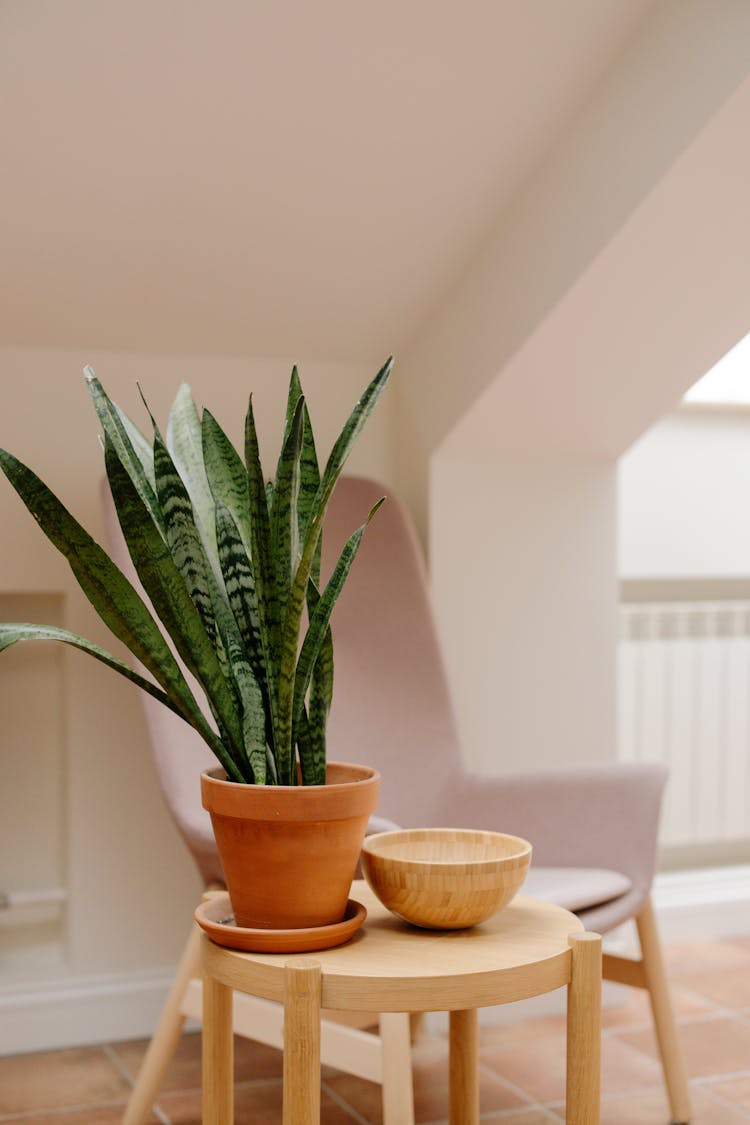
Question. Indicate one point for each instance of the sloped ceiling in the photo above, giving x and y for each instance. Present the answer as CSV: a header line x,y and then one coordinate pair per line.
x,y
238,177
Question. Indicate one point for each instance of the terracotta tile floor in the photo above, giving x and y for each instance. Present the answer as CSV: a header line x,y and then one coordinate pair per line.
x,y
522,1066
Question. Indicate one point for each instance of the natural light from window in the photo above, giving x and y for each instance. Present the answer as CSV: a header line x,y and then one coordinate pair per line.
x,y
728,381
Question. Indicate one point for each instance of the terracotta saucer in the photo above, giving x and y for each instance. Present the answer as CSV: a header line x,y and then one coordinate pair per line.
x,y
216,918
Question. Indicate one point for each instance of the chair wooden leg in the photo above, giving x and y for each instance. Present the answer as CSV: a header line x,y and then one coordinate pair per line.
x,y
675,1075
416,1025
164,1042
398,1088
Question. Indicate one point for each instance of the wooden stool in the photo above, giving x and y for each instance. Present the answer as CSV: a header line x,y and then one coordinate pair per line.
x,y
529,948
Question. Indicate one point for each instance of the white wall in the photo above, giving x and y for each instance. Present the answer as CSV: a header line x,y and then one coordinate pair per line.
x,y
620,266
684,498
616,276
524,585
614,281
132,886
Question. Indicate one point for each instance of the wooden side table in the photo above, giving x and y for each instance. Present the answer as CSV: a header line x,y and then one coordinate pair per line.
x,y
529,948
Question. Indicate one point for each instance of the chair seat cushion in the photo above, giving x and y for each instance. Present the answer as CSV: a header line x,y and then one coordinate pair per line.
x,y
575,888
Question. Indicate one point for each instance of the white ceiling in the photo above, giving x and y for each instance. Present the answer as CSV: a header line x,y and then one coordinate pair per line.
x,y
270,178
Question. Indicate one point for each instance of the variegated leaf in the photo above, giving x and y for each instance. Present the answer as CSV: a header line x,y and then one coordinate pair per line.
x,y
308,490
141,447
265,579
166,589
284,526
295,605
185,444
240,591
116,431
319,621
321,685
293,396
253,722
182,535
11,633
309,758
113,597
227,476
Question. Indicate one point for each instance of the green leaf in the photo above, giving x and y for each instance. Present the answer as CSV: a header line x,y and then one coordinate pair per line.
x,y
293,616
308,489
182,535
253,721
163,583
248,691
118,434
348,436
112,596
263,574
239,585
315,635
321,686
194,441
235,655
227,476
10,633
271,765
185,444
309,759
141,447
284,526
293,396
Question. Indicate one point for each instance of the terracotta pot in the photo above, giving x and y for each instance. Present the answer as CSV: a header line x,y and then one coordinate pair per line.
x,y
289,853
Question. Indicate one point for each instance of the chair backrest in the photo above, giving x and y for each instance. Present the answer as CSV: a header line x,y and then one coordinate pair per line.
x,y
391,707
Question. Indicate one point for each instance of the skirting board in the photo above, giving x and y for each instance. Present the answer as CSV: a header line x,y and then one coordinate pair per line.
x,y
704,904
697,905
73,1011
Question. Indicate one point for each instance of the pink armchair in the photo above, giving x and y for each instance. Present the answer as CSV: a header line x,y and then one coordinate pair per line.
x,y
594,829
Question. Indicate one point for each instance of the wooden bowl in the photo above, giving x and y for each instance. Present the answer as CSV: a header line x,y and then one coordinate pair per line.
x,y
445,878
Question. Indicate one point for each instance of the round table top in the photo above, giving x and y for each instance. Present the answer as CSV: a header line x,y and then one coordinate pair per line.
x,y
388,965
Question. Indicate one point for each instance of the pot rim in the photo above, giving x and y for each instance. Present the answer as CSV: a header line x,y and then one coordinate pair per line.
x,y
369,771
339,800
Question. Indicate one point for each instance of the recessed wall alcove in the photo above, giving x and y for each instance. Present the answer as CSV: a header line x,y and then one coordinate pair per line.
x,y
32,792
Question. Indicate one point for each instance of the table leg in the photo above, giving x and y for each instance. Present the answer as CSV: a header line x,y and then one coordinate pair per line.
x,y
302,1042
464,1068
397,1082
584,1031
217,1053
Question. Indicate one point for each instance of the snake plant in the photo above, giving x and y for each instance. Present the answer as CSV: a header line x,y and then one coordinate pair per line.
x,y
230,563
